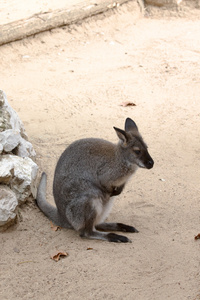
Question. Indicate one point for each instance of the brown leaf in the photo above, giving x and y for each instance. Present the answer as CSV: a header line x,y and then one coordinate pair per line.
x,y
127,103
55,227
197,237
57,254
89,248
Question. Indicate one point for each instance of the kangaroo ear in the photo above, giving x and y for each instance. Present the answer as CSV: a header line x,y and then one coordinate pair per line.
x,y
130,125
121,134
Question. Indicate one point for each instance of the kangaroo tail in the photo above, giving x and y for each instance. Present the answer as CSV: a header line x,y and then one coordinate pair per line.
x,y
49,210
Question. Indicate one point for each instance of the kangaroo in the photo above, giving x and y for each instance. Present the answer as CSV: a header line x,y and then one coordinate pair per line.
x,y
88,175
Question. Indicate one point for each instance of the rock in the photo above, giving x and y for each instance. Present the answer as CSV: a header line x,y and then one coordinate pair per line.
x,y
25,149
9,139
4,119
8,205
13,137
20,174
18,171
1,100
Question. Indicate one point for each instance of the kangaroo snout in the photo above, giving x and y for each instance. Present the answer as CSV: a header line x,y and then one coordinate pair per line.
x,y
149,164
146,160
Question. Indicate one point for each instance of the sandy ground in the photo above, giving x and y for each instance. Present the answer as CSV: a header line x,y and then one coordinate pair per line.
x,y
68,84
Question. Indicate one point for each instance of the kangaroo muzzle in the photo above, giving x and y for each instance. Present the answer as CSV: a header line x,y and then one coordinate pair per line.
x,y
148,162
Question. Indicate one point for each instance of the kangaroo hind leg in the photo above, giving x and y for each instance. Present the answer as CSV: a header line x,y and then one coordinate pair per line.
x,y
115,227
89,230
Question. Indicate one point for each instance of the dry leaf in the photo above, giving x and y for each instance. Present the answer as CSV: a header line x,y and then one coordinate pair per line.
x,y
197,237
127,103
57,254
55,227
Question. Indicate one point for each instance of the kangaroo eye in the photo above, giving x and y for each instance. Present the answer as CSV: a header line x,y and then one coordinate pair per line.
x,y
137,152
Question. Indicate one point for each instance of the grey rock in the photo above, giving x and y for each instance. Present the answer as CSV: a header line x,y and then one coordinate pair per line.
x,y
18,171
20,174
13,137
8,205
9,139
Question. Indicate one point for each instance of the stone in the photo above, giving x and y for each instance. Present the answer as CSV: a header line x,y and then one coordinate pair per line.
x,y
4,119
8,205
20,174
1,100
25,149
9,139
13,137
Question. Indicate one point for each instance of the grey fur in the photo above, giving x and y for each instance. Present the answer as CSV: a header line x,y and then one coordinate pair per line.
x,y
87,176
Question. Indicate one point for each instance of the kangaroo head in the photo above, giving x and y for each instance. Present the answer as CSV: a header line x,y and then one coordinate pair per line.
x,y
133,146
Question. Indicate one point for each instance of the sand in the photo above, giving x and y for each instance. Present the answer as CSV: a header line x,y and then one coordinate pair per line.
x,y
68,84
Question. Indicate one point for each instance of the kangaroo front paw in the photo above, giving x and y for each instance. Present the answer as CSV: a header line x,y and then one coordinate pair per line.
x,y
116,238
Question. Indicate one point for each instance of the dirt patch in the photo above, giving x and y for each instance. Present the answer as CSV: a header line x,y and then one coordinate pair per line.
x,y
68,84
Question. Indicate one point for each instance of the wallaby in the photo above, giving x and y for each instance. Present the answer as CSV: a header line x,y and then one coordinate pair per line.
x,y
87,176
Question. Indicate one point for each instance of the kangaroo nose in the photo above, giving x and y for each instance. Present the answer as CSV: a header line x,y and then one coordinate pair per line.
x,y
150,164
